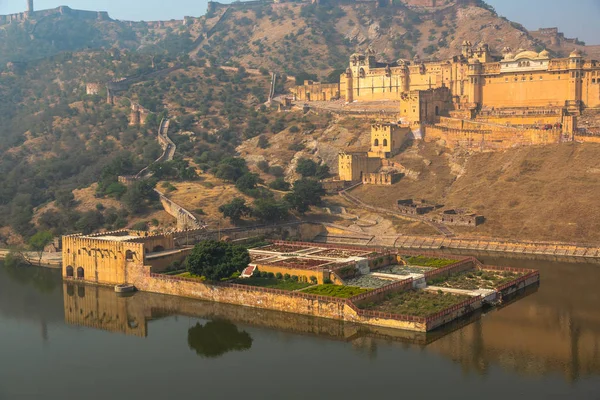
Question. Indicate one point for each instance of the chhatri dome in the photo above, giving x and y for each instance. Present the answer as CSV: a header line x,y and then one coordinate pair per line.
x,y
576,53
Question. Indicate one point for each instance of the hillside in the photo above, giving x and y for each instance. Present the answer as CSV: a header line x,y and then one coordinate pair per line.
x,y
285,37
63,150
533,193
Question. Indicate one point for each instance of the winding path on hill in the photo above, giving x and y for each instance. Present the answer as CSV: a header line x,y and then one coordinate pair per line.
x,y
185,219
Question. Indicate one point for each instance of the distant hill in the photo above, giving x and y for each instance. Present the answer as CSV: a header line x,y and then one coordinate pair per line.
x,y
286,37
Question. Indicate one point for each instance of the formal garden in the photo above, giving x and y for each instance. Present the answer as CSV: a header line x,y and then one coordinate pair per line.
x,y
331,290
432,262
420,303
475,279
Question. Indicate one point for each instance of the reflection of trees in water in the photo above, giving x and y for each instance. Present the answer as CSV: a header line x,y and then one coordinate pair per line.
x,y
44,279
217,337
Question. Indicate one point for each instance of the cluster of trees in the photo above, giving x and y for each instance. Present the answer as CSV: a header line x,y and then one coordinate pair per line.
x,y
216,260
78,138
304,194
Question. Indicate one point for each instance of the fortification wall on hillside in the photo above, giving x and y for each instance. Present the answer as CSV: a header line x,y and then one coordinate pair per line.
x,y
185,219
498,139
63,10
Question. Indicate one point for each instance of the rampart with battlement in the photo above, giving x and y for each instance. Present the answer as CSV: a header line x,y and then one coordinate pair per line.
x,y
62,10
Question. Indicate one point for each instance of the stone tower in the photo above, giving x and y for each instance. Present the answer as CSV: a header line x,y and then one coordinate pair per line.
x,y
30,6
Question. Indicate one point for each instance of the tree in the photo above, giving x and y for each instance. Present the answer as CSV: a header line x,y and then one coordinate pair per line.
x,y
305,76
247,182
306,167
263,142
263,166
322,171
269,210
139,194
65,199
38,241
231,169
306,193
235,209
280,184
216,260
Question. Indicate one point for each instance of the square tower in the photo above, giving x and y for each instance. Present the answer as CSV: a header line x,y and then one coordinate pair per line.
x,y
386,139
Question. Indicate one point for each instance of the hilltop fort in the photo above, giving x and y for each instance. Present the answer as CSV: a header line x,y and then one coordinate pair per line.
x,y
31,13
475,99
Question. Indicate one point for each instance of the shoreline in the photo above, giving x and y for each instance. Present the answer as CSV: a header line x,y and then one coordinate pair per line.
x,y
540,250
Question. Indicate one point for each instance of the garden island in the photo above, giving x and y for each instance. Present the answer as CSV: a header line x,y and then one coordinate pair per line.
x,y
375,286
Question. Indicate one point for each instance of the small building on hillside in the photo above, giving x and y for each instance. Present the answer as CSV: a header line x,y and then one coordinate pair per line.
x,y
410,207
459,217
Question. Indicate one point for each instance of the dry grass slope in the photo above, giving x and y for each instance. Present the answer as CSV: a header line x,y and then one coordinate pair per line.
x,y
536,193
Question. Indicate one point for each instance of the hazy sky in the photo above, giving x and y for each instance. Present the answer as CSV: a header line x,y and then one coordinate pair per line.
x,y
576,18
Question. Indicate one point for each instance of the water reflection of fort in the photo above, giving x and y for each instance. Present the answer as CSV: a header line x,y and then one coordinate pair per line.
x,y
555,329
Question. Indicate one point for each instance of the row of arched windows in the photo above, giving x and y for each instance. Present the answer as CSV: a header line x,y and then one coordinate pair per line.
x,y
71,271
376,143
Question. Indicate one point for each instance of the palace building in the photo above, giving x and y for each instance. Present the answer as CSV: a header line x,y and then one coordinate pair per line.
x,y
520,88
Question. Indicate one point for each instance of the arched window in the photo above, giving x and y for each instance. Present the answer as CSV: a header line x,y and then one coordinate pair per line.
x,y
70,290
80,273
129,255
81,291
361,73
385,143
70,271
437,110
376,143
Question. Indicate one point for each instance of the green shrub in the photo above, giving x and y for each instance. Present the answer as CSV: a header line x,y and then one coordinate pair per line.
x,y
286,277
313,279
294,278
278,275
140,226
270,275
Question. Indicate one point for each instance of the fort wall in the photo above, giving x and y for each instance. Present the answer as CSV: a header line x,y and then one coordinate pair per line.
x,y
316,91
497,139
185,219
62,10
272,299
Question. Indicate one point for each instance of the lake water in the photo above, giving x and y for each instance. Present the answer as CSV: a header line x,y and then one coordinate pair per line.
x,y
85,342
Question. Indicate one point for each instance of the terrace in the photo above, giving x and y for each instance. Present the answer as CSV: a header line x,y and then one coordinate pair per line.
x,y
299,263
475,279
428,289
419,303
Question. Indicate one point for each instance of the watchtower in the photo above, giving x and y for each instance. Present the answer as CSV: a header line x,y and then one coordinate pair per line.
x,y
29,6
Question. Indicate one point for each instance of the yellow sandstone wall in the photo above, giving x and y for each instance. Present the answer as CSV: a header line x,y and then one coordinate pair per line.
x,y
315,91
490,140
102,261
352,166
534,89
318,306
319,274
